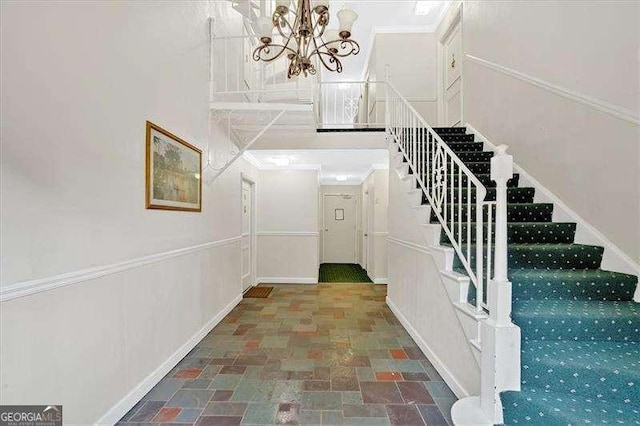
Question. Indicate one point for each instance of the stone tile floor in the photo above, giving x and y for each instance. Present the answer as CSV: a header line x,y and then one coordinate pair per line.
x,y
329,354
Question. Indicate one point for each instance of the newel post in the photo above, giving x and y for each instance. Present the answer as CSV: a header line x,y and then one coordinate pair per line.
x,y
500,362
499,293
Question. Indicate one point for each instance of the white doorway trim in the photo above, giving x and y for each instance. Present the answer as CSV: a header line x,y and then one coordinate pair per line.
x,y
253,233
365,229
442,63
323,230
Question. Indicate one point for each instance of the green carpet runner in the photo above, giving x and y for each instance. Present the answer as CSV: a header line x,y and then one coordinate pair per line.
x,y
580,327
342,273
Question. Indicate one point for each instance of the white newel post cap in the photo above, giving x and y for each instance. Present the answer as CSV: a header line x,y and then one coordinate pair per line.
x,y
501,164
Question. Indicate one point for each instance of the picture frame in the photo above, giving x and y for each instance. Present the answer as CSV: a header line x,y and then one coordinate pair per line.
x,y
173,172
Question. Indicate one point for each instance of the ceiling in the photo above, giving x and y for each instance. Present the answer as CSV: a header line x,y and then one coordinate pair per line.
x,y
381,16
354,164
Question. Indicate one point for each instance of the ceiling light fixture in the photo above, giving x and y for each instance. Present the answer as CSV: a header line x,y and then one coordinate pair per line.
x,y
341,178
423,7
307,37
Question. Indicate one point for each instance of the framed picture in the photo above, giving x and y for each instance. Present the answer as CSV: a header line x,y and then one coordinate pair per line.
x,y
173,172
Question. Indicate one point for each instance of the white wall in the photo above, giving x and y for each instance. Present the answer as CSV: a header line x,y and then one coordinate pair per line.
x,y
558,82
377,187
417,293
78,82
288,226
416,82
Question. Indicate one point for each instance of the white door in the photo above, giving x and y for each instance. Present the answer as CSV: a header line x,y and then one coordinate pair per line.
x,y
339,229
452,50
247,235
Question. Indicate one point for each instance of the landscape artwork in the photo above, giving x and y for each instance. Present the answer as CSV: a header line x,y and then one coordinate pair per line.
x,y
173,172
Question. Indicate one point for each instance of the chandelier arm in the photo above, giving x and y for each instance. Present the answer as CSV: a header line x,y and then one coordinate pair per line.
x,y
344,51
316,49
332,60
277,19
319,23
266,48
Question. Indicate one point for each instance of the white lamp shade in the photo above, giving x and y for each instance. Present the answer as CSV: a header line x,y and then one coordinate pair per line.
x,y
263,26
347,17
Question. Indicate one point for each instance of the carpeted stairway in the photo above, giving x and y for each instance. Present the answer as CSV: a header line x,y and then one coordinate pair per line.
x,y
580,327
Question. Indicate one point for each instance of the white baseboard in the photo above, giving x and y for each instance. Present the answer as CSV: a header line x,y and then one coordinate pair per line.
x,y
288,280
442,369
614,258
121,408
380,280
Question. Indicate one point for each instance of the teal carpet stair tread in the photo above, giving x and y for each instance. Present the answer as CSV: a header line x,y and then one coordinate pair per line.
x,y
580,327
514,195
485,179
520,212
523,233
571,284
548,256
577,320
606,371
535,406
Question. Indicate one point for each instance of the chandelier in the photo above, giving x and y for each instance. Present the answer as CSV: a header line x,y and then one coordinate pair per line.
x,y
307,37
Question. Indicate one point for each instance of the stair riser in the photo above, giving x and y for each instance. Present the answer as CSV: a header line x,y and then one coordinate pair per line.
x,y
475,156
479,168
456,137
487,182
483,168
527,409
572,288
514,195
455,146
577,328
470,156
578,380
525,233
515,213
448,130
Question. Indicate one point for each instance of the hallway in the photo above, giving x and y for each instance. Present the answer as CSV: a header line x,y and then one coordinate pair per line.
x,y
325,354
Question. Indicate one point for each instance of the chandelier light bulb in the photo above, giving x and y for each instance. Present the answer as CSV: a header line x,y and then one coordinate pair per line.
x,y
346,17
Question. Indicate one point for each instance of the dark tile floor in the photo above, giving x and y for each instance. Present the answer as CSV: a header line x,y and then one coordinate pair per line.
x,y
329,354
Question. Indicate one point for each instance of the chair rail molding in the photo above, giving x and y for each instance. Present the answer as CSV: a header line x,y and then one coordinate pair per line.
x,y
591,102
31,287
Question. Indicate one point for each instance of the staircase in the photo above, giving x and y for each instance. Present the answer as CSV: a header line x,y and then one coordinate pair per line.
x,y
579,324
